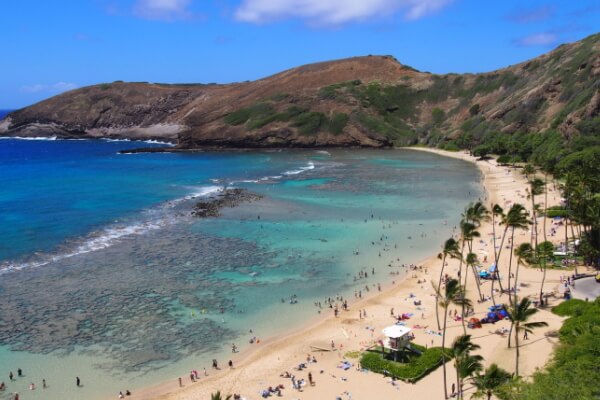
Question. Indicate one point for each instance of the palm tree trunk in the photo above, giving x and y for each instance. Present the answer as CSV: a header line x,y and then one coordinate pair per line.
x,y
517,331
437,297
462,253
477,281
495,258
444,352
457,382
544,265
533,229
498,258
512,244
462,312
516,280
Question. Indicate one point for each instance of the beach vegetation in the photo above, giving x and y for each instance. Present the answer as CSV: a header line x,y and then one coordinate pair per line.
x,y
415,368
491,382
573,372
515,218
352,354
219,396
450,250
520,314
465,363
453,293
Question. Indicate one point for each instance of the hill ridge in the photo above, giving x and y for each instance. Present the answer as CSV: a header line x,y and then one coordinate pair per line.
x,y
364,101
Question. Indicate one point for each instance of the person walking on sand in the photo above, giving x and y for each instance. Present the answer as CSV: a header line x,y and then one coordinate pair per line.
x,y
180,382
310,379
230,364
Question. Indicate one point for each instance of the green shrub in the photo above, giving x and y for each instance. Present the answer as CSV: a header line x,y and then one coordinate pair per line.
x,y
337,123
438,115
416,368
259,115
504,159
557,211
573,373
309,123
571,307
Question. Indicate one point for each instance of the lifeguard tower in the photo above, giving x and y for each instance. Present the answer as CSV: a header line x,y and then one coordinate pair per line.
x,y
397,339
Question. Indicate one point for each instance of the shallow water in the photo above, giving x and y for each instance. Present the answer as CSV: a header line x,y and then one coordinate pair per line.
x,y
106,275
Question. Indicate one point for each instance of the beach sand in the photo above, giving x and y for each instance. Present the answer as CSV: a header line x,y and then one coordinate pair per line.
x,y
260,367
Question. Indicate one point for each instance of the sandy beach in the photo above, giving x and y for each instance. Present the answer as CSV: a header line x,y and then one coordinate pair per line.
x,y
260,367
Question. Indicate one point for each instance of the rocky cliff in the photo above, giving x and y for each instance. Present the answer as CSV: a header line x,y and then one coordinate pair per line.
x,y
371,101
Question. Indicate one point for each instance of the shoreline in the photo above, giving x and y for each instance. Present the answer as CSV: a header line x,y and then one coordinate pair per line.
x,y
278,353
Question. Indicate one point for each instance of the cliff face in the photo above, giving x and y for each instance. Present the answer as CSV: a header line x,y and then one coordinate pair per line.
x,y
369,101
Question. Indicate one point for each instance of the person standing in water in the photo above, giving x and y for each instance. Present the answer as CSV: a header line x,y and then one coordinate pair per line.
x,y
78,381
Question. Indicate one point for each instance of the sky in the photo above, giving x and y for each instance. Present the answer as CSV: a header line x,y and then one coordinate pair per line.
x,y
51,46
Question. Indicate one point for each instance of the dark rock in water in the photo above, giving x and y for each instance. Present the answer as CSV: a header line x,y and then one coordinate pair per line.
x,y
227,198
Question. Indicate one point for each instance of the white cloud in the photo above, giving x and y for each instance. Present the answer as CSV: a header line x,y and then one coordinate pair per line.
x,y
538,39
334,12
55,88
162,9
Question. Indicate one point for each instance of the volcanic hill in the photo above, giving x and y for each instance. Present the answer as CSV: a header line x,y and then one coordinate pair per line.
x,y
371,101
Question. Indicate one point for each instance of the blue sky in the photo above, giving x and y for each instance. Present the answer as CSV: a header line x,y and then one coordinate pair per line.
x,y
50,46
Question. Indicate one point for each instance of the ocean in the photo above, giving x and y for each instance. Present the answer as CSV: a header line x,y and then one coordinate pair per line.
x,y
106,275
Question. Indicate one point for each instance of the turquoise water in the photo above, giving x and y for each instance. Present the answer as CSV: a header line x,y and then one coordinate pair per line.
x,y
104,274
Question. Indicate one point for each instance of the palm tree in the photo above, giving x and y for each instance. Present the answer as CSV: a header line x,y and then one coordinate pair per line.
x,y
520,313
528,170
516,218
497,211
465,363
470,261
488,383
468,233
476,213
472,217
523,253
450,249
544,250
536,188
219,396
453,294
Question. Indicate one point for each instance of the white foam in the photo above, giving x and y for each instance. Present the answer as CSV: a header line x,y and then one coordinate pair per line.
x,y
111,235
205,191
300,170
151,141
29,138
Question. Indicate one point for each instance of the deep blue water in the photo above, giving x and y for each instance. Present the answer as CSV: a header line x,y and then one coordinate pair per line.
x,y
53,191
3,113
